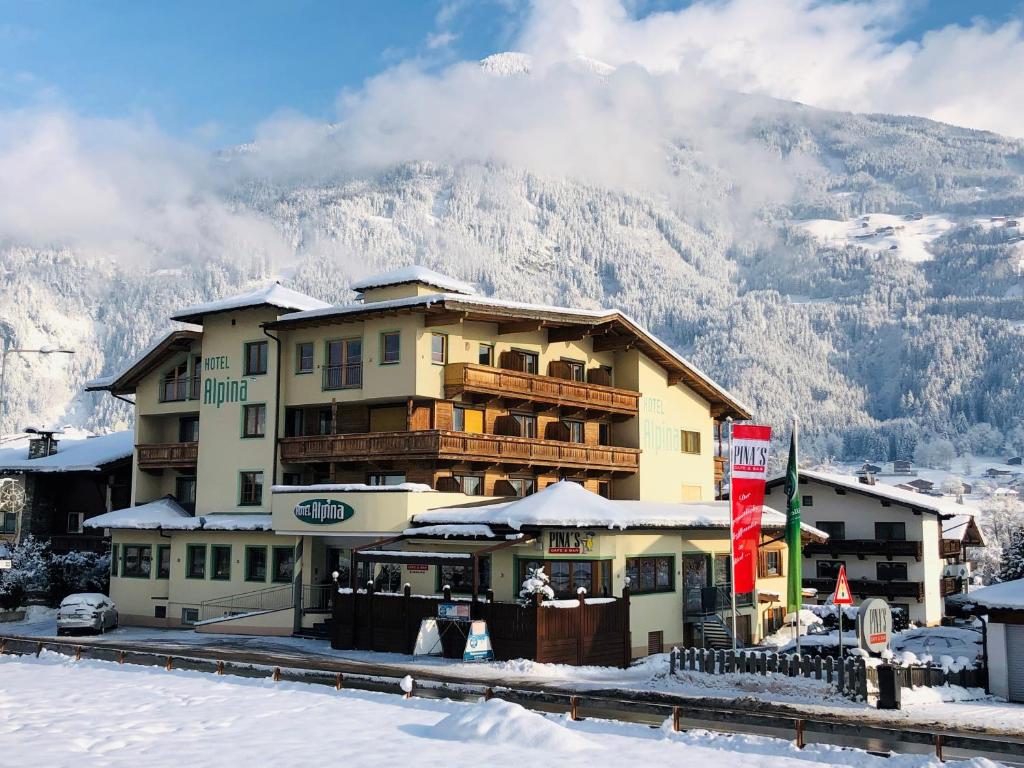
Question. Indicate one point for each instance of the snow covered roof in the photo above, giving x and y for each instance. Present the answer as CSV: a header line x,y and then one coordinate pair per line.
x,y
78,453
469,530
1009,594
171,342
911,499
963,528
168,515
353,488
273,295
489,309
567,504
413,274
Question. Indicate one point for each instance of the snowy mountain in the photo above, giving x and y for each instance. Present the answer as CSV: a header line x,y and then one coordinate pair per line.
x,y
880,295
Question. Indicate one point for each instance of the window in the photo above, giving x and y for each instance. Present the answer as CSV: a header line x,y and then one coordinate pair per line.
x,y
163,561
185,491
529,361
174,386
254,420
604,488
526,423
575,370
197,367
836,530
651,574
324,422
807,501
887,571
460,577
136,560
220,554
690,441
471,485
344,368
468,420
723,570
74,522
195,561
188,429
251,489
569,575
829,569
523,486
159,611
284,562
189,616
390,347
604,433
769,563
575,431
485,354
255,358
255,563
438,348
10,522
891,531
304,357
113,560
394,478
292,478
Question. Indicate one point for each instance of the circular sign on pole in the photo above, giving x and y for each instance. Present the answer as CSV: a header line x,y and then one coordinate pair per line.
x,y
874,625
323,511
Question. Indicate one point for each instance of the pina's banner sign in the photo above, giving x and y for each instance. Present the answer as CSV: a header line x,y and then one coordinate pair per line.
x,y
323,511
874,625
749,464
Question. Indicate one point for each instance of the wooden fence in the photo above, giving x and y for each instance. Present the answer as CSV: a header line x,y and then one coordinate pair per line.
x,y
858,677
591,632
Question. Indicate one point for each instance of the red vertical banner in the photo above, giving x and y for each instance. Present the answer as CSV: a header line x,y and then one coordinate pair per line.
x,y
749,463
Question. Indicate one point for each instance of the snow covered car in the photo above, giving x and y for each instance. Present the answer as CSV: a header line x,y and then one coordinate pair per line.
x,y
86,611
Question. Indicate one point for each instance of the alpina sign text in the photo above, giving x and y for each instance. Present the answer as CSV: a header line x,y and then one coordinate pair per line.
x,y
323,511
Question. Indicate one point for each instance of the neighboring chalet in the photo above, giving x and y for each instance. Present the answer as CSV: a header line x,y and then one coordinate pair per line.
x,y
63,482
891,540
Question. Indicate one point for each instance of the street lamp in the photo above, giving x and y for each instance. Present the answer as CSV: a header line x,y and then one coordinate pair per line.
x,y
46,349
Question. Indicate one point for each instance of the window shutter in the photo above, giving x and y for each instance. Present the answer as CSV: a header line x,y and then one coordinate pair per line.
x,y
474,421
599,376
557,430
511,360
559,369
762,565
506,425
447,484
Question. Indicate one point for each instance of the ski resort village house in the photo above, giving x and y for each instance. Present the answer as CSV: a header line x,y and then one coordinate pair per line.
x,y
50,485
901,545
429,436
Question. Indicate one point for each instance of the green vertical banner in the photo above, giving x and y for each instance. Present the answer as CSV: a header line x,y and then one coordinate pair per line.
x,y
794,580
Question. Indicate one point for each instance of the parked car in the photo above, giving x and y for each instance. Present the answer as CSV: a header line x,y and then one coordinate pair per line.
x,y
86,611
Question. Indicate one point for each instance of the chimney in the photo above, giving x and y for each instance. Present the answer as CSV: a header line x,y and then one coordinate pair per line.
x,y
43,444
867,478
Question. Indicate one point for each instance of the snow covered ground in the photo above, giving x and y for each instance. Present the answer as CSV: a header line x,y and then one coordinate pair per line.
x,y
58,712
906,237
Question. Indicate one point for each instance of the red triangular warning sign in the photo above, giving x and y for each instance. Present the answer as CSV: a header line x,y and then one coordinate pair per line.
x,y
842,594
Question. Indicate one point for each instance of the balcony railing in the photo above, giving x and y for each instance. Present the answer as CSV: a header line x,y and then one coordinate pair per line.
x,y
471,378
705,601
872,587
865,548
949,548
458,446
950,585
160,455
349,376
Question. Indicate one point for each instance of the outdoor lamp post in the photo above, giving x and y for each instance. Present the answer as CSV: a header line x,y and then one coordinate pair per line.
x,y
43,350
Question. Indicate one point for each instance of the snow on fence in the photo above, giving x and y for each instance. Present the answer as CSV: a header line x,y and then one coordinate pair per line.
x,y
858,676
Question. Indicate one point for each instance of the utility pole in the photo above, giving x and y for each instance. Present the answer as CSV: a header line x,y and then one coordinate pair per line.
x,y
9,350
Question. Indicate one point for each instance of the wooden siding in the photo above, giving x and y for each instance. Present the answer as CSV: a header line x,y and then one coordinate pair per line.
x,y
161,455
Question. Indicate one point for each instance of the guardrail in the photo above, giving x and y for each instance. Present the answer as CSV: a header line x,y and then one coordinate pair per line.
x,y
778,720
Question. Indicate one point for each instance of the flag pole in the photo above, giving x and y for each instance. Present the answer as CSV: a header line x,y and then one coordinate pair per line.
x,y
798,576
732,539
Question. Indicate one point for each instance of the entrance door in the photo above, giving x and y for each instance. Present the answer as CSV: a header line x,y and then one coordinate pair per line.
x,y
1015,661
695,579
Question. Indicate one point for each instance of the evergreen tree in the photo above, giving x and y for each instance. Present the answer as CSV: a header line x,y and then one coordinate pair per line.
x,y
1012,566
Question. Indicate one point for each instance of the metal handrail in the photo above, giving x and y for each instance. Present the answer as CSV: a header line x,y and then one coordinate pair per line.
x,y
271,599
347,376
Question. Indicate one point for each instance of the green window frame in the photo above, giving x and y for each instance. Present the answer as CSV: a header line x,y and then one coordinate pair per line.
x,y
113,559
255,358
252,563
162,571
390,347
220,570
305,357
651,574
254,420
142,557
250,488
279,554
191,561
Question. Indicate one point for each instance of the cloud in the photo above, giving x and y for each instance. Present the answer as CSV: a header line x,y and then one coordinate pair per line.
x,y
443,39
839,55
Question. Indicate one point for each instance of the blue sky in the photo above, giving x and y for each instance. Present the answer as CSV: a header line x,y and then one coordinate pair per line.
x,y
211,71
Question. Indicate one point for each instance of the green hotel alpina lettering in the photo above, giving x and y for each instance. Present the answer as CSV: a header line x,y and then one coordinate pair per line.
x,y
323,511
217,392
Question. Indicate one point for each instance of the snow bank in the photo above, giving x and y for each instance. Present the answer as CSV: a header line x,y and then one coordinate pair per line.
x,y
500,723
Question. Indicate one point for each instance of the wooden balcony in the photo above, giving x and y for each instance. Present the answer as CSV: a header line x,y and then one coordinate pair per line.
x,y
863,548
486,381
440,445
168,455
949,548
950,585
872,588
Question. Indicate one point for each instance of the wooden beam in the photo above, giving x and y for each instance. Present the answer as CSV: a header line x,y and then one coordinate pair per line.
x,y
445,318
674,377
520,326
569,333
609,343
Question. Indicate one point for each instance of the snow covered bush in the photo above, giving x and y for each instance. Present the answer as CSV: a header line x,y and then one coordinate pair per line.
x,y
77,572
1001,518
28,574
536,583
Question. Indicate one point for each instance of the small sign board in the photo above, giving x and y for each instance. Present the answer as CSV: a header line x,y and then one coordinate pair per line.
x,y
874,625
417,567
453,611
478,643
842,595
570,542
428,639
6,565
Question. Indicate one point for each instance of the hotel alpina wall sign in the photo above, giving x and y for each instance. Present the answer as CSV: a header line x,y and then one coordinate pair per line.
x,y
323,511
